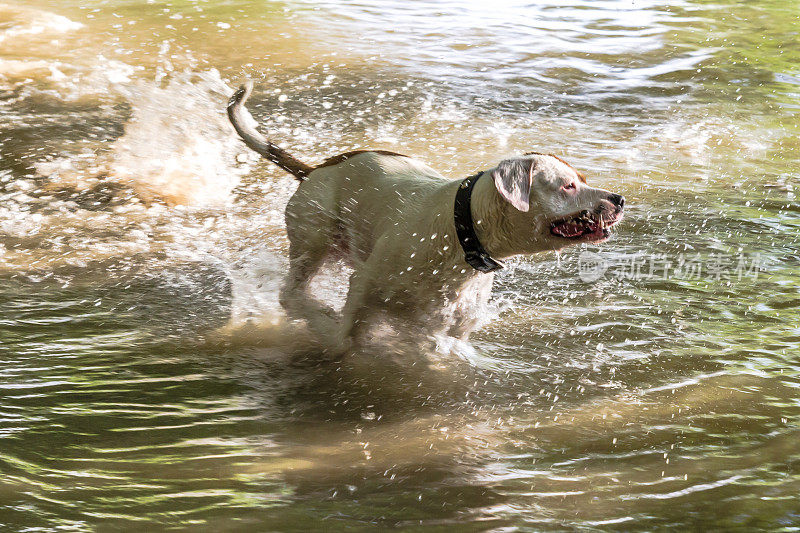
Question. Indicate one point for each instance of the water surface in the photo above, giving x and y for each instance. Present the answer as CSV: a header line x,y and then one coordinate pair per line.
x,y
149,379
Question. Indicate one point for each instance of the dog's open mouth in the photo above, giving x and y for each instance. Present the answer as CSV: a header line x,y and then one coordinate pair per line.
x,y
585,225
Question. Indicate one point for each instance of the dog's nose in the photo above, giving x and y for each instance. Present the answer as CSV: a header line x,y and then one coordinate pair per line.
x,y
618,200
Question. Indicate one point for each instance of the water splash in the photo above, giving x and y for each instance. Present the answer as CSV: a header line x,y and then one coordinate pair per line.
x,y
178,146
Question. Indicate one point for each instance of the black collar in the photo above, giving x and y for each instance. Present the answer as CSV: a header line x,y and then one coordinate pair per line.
x,y
474,253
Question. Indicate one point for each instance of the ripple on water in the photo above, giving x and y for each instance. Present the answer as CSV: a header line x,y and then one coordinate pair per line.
x,y
148,377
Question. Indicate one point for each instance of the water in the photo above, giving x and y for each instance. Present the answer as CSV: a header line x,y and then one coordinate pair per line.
x,y
149,379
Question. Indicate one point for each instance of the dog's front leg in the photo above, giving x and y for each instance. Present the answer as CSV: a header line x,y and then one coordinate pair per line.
x,y
469,304
462,326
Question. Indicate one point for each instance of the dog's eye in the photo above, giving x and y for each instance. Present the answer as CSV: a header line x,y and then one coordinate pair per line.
x,y
569,186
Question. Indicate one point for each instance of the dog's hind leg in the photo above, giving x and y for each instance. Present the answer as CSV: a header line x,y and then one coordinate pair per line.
x,y
307,251
353,325
361,307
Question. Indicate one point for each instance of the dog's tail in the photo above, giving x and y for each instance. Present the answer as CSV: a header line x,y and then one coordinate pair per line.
x,y
241,120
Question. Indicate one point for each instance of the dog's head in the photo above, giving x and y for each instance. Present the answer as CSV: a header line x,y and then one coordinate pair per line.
x,y
545,186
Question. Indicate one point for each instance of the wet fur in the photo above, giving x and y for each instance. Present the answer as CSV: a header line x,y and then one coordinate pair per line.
x,y
391,218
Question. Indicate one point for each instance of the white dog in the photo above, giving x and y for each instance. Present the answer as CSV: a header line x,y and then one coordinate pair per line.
x,y
423,247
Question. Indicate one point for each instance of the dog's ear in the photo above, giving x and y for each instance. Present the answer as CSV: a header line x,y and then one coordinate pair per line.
x,y
513,179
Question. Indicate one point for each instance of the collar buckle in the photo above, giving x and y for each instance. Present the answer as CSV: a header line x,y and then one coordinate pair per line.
x,y
482,262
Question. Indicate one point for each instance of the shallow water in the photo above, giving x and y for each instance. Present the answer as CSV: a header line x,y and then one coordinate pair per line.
x,y
150,381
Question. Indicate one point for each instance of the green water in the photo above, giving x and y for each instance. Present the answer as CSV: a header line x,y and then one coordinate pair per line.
x,y
149,381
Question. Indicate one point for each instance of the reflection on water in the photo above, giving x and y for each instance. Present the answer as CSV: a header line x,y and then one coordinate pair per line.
x,y
148,377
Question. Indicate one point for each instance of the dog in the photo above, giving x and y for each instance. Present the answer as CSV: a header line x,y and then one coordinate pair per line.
x,y
423,248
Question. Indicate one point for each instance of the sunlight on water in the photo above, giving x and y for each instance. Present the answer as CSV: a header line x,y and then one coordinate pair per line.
x,y
150,378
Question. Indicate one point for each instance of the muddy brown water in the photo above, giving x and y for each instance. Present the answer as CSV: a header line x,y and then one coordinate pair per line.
x,y
148,379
